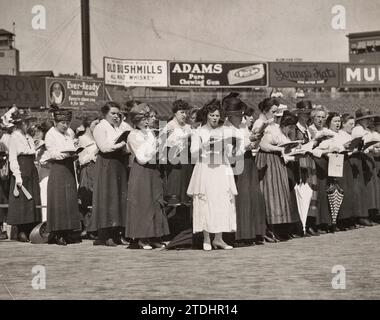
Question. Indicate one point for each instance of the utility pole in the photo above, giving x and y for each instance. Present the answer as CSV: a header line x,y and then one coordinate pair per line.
x,y
86,50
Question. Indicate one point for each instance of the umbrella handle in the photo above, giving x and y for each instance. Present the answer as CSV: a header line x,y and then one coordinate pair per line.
x,y
16,193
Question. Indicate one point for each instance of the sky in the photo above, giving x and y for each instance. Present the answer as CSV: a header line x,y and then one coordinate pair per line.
x,y
214,30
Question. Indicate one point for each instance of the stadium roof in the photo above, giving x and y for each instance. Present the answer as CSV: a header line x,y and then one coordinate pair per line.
x,y
363,34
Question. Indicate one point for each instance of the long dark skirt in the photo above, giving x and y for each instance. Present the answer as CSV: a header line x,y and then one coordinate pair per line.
x,y
250,206
274,185
323,212
85,191
369,174
362,199
178,179
62,200
347,209
377,179
109,202
4,196
21,210
145,214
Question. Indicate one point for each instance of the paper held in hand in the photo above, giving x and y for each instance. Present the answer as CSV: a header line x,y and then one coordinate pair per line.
x,y
122,136
335,168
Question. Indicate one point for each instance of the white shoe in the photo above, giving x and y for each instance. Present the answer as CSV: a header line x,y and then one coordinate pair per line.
x,y
221,245
206,246
144,246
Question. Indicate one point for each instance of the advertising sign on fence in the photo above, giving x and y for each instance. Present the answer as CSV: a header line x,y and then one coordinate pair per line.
x,y
360,75
217,74
135,73
25,92
69,93
303,74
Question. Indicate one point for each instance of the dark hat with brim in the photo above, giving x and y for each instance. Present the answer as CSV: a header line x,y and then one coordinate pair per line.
x,y
362,113
376,120
303,106
21,117
63,115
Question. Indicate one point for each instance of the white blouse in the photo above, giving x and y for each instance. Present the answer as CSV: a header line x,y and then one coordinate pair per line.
x,y
105,135
90,150
142,143
57,143
177,134
19,144
359,131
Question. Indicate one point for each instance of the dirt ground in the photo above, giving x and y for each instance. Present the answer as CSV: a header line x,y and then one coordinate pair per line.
x,y
297,269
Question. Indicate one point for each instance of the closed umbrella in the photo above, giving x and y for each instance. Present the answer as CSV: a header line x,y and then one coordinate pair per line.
x,y
335,196
303,195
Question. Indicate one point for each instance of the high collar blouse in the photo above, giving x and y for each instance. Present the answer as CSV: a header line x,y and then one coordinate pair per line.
x,y
142,143
57,143
105,135
19,144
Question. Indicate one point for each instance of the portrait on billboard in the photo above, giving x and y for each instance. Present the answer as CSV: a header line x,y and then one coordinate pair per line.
x,y
57,93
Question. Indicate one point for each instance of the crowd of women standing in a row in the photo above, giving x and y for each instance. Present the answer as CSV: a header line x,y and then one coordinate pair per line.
x,y
232,174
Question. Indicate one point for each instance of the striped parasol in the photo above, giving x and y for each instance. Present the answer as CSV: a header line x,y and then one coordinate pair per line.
x,y
335,196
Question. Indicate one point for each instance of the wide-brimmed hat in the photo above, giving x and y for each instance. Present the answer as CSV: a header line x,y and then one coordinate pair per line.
x,y
303,106
22,116
376,120
363,113
38,234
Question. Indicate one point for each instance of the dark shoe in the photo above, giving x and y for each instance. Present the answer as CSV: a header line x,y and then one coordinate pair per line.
x,y
3,235
321,231
294,235
60,241
269,239
311,232
365,222
110,243
259,240
22,237
99,242
240,244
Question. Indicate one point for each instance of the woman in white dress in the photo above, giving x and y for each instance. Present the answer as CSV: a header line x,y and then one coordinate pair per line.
x,y
212,185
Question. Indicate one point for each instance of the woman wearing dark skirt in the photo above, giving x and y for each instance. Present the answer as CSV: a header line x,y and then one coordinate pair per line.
x,y
146,221
337,144
179,169
109,202
63,215
250,207
87,172
23,212
274,179
363,169
4,187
